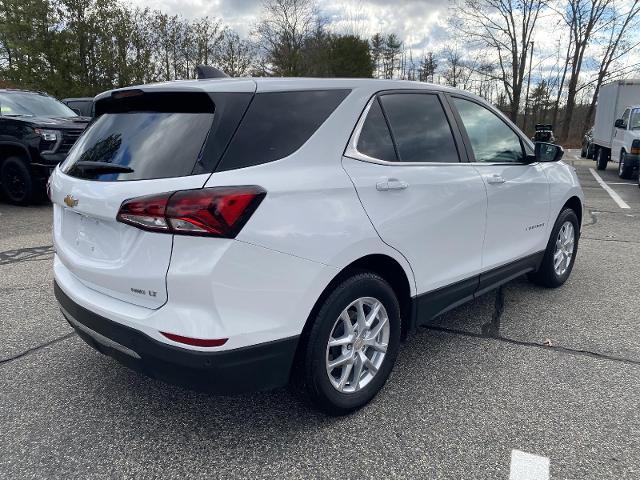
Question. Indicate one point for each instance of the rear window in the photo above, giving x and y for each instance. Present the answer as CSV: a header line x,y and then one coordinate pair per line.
x,y
150,144
277,124
146,135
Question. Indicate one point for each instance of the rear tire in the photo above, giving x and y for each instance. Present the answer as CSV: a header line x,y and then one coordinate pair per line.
x,y
583,152
335,390
602,159
560,253
16,182
590,151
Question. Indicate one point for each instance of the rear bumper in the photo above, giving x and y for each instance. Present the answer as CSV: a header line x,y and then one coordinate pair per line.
x,y
260,367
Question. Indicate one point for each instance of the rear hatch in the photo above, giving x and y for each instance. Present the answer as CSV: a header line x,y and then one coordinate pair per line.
x,y
144,142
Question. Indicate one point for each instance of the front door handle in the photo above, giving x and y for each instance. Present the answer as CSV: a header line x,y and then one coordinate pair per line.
x,y
495,179
391,184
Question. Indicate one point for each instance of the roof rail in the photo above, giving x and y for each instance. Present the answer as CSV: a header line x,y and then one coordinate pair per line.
x,y
206,71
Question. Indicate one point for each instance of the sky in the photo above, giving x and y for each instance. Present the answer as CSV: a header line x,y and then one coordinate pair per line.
x,y
419,23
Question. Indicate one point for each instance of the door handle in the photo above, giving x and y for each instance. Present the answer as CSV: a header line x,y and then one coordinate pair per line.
x,y
391,184
495,179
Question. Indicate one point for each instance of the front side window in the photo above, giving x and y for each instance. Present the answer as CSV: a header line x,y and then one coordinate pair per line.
x,y
625,118
635,120
420,128
491,138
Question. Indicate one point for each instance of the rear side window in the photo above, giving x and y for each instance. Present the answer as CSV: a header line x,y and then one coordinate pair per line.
x,y
375,138
277,124
420,128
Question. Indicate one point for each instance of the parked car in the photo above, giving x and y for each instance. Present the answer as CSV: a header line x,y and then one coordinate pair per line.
x,y
544,133
300,231
36,133
587,144
616,132
82,105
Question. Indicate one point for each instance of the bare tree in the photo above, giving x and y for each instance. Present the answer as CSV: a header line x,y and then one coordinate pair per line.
x,y
283,31
617,46
454,73
506,27
234,55
584,18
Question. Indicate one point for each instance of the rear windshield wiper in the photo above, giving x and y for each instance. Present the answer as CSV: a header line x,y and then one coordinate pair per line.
x,y
102,167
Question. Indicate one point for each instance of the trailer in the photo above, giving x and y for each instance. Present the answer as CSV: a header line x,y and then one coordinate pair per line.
x,y
616,132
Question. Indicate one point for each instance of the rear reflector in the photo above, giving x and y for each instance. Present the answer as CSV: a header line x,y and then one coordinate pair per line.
x,y
215,212
196,342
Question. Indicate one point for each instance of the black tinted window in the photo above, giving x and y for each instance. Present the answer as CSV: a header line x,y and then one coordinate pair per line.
x,y
277,124
491,138
152,144
375,139
420,128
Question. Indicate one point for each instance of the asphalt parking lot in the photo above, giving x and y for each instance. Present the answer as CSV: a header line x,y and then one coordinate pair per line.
x,y
554,373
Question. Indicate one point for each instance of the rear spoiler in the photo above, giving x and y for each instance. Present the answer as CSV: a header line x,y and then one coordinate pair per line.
x,y
543,126
137,100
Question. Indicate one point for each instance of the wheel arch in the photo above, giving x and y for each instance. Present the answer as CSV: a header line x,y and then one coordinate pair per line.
x,y
10,149
385,266
575,204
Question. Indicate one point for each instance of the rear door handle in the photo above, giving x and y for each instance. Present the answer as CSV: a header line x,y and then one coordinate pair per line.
x,y
391,184
495,179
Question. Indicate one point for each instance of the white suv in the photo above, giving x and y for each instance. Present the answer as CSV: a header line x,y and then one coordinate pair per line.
x,y
235,234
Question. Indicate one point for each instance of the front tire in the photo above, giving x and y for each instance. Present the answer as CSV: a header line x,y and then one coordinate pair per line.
x,y
560,253
352,345
16,182
623,167
602,159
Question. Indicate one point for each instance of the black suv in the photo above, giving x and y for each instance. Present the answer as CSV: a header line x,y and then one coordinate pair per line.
x,y
36,133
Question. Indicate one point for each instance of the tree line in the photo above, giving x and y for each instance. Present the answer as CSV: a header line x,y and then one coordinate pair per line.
x,y
82,47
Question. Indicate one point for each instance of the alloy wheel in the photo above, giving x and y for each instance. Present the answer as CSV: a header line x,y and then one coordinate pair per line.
x,y
564,248
357,344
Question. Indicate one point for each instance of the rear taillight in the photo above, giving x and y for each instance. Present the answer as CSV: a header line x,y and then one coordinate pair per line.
x,y
635,147
216,212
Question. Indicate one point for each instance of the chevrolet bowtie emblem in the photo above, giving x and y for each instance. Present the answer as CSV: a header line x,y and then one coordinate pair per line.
x,y
70,201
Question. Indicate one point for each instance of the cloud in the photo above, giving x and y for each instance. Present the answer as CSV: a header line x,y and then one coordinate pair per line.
x,y
417,22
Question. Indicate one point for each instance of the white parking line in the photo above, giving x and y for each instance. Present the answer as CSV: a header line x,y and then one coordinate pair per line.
x,y
527,466
612,193
621,183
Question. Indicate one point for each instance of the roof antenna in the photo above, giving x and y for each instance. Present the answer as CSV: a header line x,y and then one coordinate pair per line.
x,y
206,71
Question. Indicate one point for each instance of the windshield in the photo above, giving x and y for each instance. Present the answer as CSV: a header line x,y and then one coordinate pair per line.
x,y
32,105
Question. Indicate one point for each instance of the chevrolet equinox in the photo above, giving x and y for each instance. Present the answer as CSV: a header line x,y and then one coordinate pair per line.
x,y
240,234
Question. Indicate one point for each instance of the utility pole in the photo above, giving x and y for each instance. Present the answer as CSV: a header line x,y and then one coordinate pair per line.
x,y
526,99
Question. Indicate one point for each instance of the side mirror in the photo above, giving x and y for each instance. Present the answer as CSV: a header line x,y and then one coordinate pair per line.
x,y
619,123
548,152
